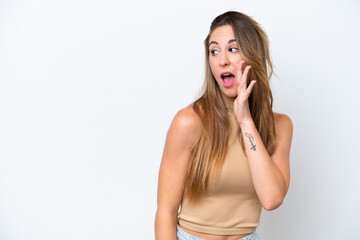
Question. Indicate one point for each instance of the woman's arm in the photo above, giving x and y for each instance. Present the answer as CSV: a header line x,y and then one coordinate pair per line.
x,y
270,174
181,137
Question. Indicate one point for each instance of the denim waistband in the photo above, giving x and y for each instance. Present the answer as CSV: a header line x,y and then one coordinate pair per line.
x,y
182,235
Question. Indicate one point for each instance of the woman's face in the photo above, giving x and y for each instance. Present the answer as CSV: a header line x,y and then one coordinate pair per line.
x,y
224,56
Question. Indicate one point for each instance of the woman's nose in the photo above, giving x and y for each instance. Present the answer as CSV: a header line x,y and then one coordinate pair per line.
x,y
224,59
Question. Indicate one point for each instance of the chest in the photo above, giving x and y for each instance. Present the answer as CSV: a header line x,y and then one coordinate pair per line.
x,y
235,176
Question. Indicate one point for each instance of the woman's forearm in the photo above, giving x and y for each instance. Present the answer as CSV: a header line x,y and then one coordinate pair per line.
x,y
165,226
268,181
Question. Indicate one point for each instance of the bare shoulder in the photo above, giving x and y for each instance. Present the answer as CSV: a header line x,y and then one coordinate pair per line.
x,y
284,134
283,124
187,123
188,118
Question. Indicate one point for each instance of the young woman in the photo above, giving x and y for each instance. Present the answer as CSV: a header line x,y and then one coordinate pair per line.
x,y
226,155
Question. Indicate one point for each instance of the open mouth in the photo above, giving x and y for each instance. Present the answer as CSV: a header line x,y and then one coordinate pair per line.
x,y
226,75
228,79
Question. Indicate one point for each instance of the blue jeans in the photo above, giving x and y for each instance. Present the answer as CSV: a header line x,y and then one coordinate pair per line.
x,y
182,235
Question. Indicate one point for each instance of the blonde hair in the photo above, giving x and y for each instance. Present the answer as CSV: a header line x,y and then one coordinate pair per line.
x,y
208,154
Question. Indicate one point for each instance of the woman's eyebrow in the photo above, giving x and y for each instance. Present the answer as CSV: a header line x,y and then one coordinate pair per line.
x,y
214,42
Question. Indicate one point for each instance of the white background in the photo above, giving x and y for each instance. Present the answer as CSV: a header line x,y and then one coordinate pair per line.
x,y
88,90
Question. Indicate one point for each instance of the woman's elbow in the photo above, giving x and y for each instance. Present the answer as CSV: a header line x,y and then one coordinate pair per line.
x,y
272,204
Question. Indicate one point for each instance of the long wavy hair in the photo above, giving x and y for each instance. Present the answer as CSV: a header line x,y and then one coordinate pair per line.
x,y
208,154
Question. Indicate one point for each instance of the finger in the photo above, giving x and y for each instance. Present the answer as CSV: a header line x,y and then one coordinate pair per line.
x,y
245,73
239,71
238,78
251,85
242,82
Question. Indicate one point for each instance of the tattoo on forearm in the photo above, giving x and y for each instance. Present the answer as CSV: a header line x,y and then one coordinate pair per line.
x,y
251,139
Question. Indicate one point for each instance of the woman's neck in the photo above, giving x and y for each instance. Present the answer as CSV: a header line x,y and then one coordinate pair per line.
x,y
229,102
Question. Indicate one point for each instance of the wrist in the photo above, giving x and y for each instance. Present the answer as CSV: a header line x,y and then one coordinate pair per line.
x,y
247,122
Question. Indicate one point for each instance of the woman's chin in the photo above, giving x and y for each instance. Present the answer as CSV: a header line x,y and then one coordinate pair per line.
x,y
230,96
231,93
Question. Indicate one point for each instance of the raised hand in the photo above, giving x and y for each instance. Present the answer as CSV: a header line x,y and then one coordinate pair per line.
x,y
241,103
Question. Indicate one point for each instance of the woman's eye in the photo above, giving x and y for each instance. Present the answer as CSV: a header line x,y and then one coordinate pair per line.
x,y
214,52
234,50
